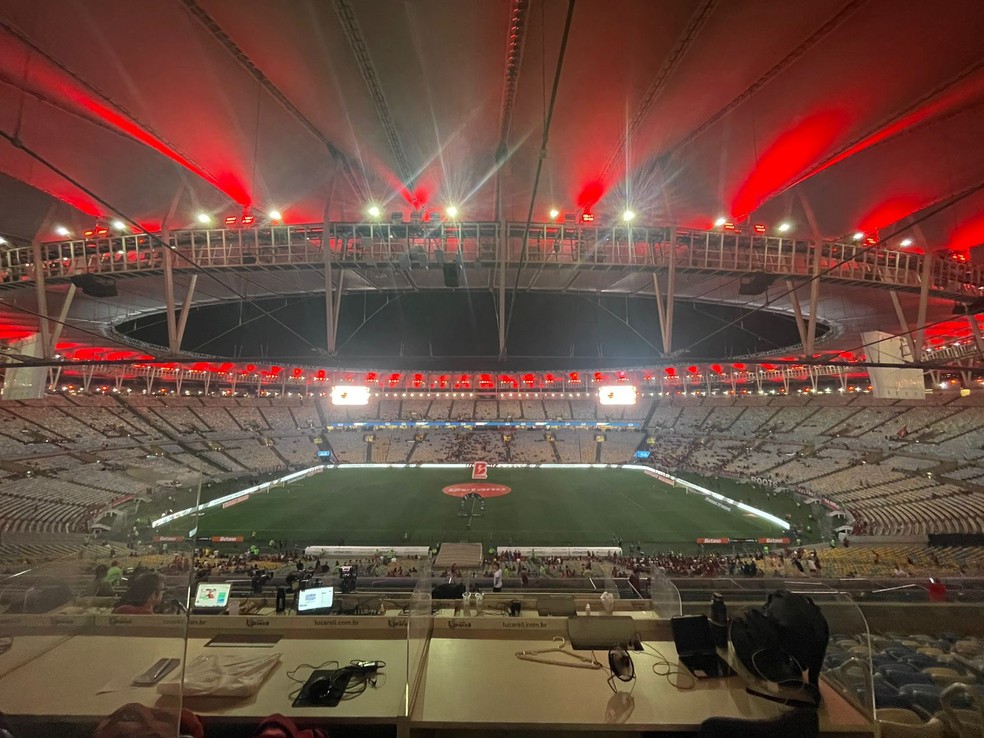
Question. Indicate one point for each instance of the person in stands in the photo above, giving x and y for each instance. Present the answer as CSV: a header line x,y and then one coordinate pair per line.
x,y
143,595
114,574
99,587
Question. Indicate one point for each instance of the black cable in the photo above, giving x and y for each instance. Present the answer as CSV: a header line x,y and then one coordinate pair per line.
x,y
539,165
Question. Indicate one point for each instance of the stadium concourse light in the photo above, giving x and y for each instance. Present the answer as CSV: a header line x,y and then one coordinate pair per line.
x,y
554,212
373,211
61,231
275,215
452,211
204,218
906,242
2,240
720,221
858,236
119,225
628,215
783,227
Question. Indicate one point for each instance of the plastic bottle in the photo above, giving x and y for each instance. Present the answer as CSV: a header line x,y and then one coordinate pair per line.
x,y
719,620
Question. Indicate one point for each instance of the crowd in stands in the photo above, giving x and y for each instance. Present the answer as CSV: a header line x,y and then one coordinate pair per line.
x,y
899,467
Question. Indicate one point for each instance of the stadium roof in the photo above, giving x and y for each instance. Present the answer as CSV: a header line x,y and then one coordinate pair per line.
x,y
865,113
834,117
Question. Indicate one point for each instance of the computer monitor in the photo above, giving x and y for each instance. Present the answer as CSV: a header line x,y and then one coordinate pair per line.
x,y
212,596
316,599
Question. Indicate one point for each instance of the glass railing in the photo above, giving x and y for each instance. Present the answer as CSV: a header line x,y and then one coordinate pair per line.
x,y
419,245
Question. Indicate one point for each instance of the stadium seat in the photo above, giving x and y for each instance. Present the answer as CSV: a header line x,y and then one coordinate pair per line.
x,y
945,676
926,697
899,677
899,723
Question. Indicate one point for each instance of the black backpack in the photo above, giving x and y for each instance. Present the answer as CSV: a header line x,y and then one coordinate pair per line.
x,y
781,640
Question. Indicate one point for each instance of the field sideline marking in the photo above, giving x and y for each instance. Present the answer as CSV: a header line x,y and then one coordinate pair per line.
x,y
655,473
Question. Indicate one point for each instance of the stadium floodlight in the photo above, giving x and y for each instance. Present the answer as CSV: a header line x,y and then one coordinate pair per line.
x,y
906,242
452,211
204,218
554,212
62,231
349,395
628,215
275,215
617,394
783,227
720,221
373,211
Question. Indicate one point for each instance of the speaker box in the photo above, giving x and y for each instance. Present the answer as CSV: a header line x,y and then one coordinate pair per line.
x,y
451,272
755,284
95,285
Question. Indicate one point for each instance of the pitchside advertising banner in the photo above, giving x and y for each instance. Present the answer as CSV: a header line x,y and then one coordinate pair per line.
x,y
726,541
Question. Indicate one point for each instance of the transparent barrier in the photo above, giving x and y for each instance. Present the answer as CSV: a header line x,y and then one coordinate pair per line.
x,y
843,666
96,640
663,594
420,626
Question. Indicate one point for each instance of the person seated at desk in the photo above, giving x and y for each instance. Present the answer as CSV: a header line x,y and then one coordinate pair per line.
x,y
100,587
143,595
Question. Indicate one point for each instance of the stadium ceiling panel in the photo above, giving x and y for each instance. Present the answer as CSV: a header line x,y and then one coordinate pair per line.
x,y
685,110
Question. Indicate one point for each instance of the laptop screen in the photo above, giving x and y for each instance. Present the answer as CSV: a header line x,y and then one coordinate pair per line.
x,y
316,598
212,595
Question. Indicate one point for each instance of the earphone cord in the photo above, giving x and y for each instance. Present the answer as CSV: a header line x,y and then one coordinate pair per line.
x,y
665,668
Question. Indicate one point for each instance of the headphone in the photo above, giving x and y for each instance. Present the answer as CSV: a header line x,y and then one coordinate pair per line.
x,y
621,666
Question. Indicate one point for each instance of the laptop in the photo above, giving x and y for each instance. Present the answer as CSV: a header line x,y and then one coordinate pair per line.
x,y
211,599
601,632
315,601
695,647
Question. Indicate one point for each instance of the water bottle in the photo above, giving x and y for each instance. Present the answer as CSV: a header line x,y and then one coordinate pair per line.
x,y
719,621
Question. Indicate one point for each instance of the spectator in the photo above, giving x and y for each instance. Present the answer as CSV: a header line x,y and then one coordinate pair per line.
x,y
114,575
143,595
99,587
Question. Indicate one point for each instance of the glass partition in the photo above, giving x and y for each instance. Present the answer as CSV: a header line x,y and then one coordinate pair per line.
x,y
663,594
109,627
846,667
420,626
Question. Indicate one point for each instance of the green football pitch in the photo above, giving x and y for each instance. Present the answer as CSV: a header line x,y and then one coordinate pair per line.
x,y
543,507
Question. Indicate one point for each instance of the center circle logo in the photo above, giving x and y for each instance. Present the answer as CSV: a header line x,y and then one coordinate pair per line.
x,y
482,489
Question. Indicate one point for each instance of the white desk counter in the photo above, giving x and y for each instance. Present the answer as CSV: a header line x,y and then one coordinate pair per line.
x,y
474,683
81,666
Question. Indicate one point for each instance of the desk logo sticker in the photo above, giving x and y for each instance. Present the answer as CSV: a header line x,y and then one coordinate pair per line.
x,y
482,489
